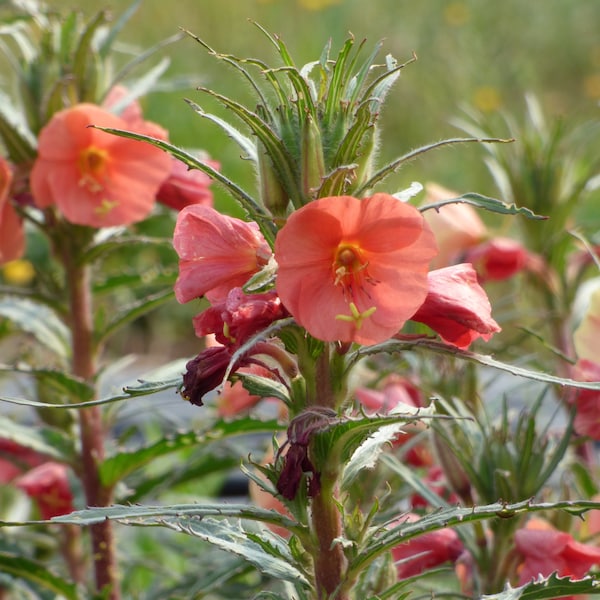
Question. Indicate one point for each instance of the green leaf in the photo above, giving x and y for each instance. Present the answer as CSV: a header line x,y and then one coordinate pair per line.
x,y
264,387
454,516
39,320
271,557
120,465
549,588
487,203
34,572
49,442
393,346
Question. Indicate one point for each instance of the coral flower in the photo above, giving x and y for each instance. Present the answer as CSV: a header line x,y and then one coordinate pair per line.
x,y
216,253
95,178
353,270
587,402
12,236
546,550
457,307
497,259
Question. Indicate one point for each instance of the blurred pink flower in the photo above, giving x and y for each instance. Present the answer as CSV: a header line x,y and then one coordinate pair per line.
x,y
48,485
456,226
497,259
457,307
14,459
546,550
353,270
186,186
95,178
12,234
216,253
587,402
426,551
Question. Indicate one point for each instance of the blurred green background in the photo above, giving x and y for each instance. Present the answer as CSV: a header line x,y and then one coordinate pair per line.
x,y
471,53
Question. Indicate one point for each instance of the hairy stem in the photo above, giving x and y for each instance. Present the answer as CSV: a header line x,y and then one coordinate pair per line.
x,y
90,425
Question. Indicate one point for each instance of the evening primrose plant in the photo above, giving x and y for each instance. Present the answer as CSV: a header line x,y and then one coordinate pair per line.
x,y
377,474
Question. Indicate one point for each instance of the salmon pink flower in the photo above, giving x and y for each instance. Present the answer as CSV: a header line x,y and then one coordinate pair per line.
x,y
546,550
95,178
457,307
186,186
12,235
353,270
216,253
48,484
587,402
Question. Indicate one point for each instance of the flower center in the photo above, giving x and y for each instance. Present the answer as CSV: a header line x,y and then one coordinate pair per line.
x,y
350,269
92,166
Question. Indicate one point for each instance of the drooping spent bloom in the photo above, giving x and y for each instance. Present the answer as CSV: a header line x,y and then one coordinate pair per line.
x,y
216,253
12,235
426,551
546,550
92,177
186,186
48,484
457,307
239,316
353,270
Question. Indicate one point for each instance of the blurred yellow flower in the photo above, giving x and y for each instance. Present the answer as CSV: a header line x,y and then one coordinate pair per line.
x,y
317,4
18,272
456,14
487,99
591,86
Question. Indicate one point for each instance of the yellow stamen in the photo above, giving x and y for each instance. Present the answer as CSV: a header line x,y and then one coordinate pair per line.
x,y
356,317
92,166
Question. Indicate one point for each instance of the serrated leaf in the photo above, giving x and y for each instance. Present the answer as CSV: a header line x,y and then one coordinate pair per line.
x,y
38,320
276,563
106,246
399,345
491,204
49,442
548,589
36,573
120,465
454,516
264,387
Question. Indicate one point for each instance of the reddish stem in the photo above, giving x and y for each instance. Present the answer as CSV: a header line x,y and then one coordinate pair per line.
x,y
91,427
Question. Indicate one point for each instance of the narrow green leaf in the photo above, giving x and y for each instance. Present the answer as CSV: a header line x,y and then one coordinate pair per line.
x,y
277,563
35,573
244,142
49,442
119,466
549,588
390,168
107,246
487,203
39,320
264,387
393,346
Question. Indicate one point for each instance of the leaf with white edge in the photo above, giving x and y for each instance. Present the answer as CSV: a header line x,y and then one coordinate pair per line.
x,y
385,540
272,557
50,442
37,574
491,204
400,345
367,454
264,387
39,320
549,588
118,466
153,515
